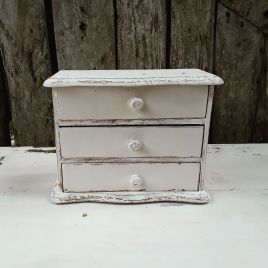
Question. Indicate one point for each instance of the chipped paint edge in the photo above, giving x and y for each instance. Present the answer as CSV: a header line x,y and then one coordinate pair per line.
x,y
82,82
58,196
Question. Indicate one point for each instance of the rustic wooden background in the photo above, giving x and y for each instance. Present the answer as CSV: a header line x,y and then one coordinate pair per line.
x,y
229,38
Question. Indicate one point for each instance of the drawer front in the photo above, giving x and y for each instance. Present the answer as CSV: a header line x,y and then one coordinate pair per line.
x,y
153,102
131,176
144,141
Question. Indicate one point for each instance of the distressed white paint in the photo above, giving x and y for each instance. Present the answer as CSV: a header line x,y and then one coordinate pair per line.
x,y
118,177
230,231
82,103
164,141
131,197
137,118
205,138
132,78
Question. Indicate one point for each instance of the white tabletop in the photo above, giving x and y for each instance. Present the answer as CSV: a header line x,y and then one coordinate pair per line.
x,y
230,231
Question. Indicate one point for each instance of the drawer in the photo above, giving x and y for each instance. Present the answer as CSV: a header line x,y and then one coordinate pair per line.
x,y
138,141
84,177
153,102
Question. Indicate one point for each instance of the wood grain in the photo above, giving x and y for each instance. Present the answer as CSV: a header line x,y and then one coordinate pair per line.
x,y
23,37
5,116
240,66
84,33
141,30
111,34
192,30
255,12
261,117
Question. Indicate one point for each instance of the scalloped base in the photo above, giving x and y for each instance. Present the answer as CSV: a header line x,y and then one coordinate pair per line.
x,y
137,197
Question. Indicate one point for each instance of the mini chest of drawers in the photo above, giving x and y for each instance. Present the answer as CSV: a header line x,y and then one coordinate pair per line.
x,y
131,136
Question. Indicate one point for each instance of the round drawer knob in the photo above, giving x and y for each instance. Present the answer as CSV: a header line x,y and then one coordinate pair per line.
x,y
136,182
134,145
136,104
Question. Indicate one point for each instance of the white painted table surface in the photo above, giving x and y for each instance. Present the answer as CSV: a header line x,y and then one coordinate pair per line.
x,y
230,231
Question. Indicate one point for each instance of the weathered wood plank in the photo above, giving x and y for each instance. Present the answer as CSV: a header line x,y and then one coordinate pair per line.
x,y
239,63
261,118
23,37
5,116
141,34
256,12
85,34
192,32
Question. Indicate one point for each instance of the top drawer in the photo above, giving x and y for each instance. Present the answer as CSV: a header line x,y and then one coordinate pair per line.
x,y
143,102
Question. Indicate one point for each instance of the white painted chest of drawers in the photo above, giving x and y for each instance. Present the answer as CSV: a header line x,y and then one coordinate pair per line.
x,y
131,136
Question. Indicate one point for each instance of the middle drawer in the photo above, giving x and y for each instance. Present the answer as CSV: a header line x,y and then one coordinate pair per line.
x,y
125,141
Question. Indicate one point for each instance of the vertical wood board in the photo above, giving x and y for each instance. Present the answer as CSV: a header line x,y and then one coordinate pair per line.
x,y
85,34
256,12
24,42
261,117
141,30
5,116
192,34
239,62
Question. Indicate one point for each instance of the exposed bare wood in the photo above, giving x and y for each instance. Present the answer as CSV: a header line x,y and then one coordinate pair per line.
x,y
192,32
23,35
180,121
141,34
261,117
84,33
5,116
239,64
255,12
111,34
131,160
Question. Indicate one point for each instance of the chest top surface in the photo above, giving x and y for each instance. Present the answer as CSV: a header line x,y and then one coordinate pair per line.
x,y
71,78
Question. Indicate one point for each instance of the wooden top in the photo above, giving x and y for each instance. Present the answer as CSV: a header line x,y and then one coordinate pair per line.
x,y
70,78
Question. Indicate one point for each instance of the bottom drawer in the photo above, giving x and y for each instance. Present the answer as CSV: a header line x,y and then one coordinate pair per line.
x,y
83,177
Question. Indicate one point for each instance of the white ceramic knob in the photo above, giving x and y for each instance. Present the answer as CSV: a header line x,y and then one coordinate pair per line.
x,y
136,182
134,145
136,104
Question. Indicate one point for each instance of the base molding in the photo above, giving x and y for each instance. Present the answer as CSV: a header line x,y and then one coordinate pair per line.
x,y
58,196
